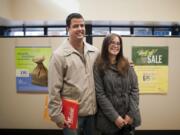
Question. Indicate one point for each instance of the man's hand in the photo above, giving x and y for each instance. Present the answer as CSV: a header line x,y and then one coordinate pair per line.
x,y
64,124
60,125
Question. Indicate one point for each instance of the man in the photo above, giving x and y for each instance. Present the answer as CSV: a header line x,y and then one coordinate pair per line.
x,y
71,76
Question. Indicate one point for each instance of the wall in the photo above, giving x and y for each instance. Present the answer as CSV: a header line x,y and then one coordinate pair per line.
x,y
25,110
5,9
115,10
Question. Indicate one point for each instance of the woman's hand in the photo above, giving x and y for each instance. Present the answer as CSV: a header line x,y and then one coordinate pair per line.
x,y
128,120
119,122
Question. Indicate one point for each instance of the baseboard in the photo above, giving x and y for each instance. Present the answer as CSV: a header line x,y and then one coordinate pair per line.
x,y
30,132
59,132
157,132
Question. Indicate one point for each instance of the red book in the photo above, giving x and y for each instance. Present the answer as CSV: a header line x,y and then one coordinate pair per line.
x,y
70,110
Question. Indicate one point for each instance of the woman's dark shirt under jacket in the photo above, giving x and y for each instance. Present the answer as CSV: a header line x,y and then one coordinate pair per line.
x,y
116,95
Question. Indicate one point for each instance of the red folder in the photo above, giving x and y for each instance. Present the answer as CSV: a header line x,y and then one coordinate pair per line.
x,y
70,110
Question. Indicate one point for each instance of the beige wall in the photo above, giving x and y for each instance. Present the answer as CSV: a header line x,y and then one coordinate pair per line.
x,y
117,10
5,9
25,110
37,10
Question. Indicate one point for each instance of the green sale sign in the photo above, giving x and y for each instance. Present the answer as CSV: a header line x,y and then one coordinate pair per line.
x,y
150,55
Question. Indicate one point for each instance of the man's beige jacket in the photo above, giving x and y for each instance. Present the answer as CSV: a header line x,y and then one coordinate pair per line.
x,y
70,76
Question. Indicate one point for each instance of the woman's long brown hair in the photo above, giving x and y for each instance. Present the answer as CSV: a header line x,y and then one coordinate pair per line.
x,y
103,61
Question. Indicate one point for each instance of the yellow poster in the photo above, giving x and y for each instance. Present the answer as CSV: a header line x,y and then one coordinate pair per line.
x,y
32,68
152,79
151,66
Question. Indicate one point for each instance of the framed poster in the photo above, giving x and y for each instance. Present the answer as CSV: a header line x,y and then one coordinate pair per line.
x,y
151,66
32,68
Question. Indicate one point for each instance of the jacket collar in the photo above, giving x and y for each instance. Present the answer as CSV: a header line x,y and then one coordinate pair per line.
x,y
113,67
68,48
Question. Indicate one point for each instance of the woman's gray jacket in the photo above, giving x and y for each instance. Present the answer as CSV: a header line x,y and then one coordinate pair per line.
x,y
117,95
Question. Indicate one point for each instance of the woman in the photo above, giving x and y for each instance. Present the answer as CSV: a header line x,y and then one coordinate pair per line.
x,y
116,90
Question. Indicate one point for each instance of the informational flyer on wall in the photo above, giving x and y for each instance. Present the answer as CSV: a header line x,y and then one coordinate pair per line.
x,y
32,68
151,66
